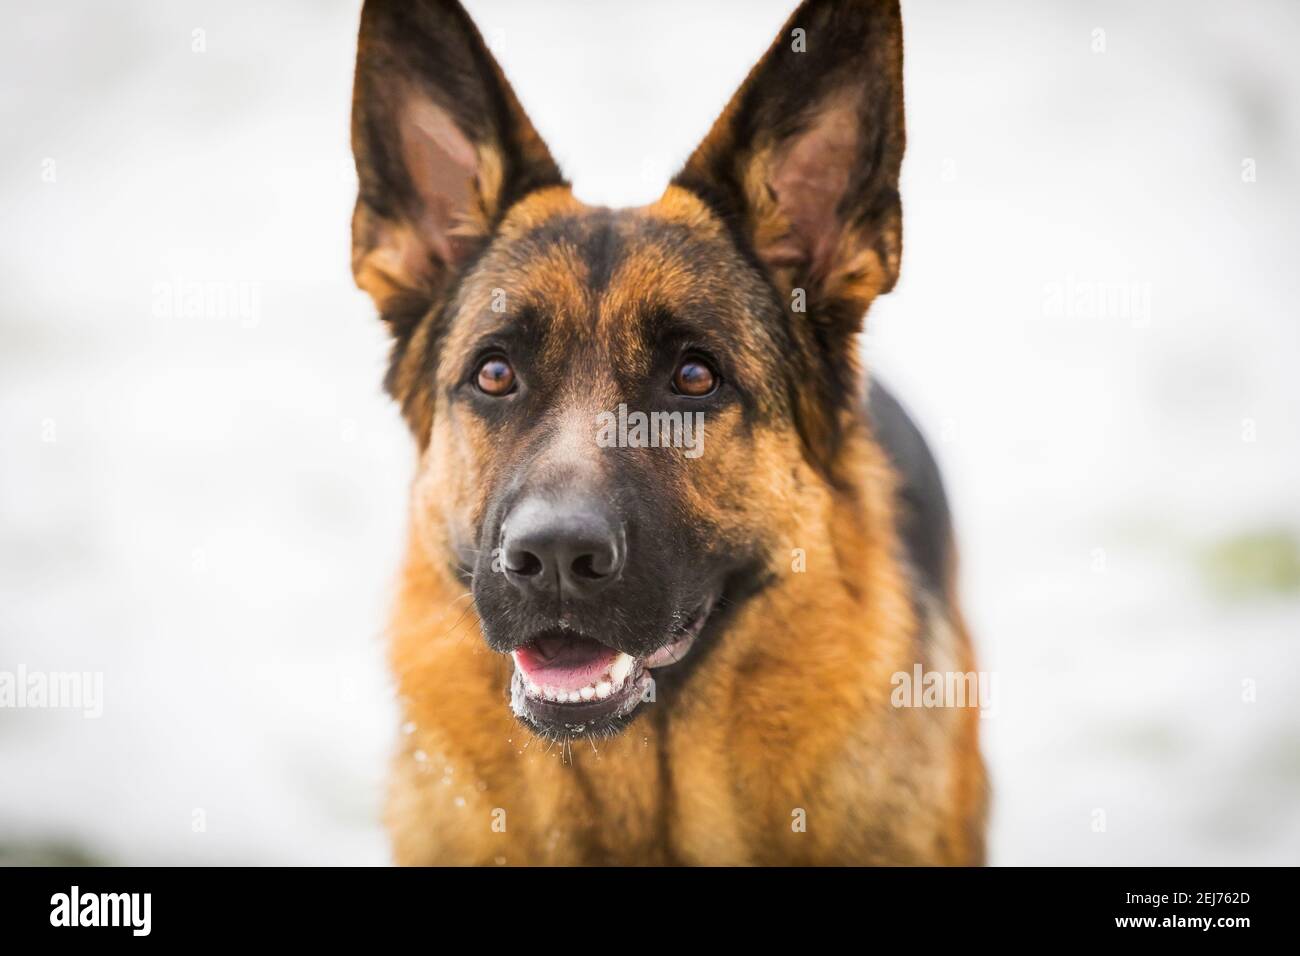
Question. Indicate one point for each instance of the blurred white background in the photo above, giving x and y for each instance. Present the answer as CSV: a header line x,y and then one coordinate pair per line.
x,y
204,499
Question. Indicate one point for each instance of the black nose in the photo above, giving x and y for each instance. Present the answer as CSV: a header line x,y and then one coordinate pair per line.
x,y
574,545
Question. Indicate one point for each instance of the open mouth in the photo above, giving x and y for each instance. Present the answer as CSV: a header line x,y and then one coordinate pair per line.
x,y
568,684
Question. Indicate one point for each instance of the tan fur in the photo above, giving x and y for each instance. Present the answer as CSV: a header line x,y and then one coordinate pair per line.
x,y
789,715
792,712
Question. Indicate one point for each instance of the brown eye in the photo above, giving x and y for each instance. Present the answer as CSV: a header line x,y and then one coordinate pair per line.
x,y
694,377
496,377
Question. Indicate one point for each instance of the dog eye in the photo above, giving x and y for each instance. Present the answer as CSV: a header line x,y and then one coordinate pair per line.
x,y
694,377
495,376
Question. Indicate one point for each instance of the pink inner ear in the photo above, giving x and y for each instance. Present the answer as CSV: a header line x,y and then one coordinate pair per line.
x,y
809,179
441,162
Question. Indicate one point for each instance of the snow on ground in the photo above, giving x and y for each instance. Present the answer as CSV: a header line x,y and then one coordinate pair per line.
x,y
201,483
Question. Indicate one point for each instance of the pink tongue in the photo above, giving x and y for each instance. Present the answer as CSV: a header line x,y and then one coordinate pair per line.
x,y
565,663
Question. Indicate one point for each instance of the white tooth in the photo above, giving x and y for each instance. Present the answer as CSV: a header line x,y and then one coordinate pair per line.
x,y
550,693
604,688
622,667
534,690
575,697
588,692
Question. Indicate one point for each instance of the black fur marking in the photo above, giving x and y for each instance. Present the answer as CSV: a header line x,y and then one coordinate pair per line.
x,y
925,521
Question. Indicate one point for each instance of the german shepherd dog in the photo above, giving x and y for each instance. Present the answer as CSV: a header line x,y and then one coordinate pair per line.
x,y
640,651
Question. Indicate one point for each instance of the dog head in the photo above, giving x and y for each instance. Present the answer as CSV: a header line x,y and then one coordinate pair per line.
x,y
618,409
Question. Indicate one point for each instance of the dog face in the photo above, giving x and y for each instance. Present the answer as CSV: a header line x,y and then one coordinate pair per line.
x,y
597,548
617,409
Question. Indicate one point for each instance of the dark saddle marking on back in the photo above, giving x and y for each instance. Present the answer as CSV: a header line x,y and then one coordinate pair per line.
x,y
925,522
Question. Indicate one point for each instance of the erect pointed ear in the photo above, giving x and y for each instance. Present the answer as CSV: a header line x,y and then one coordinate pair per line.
x,y
442,148
804,161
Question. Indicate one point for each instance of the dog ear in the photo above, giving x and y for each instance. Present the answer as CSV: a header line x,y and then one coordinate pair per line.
x,y
804,165
442,149
805,158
